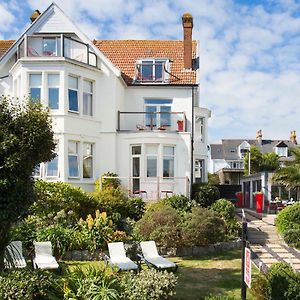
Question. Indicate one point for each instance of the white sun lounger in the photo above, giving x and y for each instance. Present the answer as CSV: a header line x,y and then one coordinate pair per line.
x,y
43,258
151,257
117,257
15,258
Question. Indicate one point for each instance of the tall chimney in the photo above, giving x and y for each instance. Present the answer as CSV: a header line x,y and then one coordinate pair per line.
x,y
187,22
259,137
293,137
35,15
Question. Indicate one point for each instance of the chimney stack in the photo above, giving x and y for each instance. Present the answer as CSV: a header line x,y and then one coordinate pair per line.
x,y
259,137
187,22
35,15
293,137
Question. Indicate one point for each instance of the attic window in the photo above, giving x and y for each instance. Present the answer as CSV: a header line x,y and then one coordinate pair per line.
x,y
152,70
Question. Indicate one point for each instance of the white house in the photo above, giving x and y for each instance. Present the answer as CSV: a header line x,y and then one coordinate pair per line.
x,y
129,107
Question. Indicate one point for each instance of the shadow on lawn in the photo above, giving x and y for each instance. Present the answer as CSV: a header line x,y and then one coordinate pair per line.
x,y
214,274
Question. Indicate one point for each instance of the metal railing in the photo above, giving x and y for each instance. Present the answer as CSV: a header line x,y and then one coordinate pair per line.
x,y
152,188
62,46
164,121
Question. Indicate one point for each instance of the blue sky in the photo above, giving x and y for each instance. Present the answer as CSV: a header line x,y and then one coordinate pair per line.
x,y
249,52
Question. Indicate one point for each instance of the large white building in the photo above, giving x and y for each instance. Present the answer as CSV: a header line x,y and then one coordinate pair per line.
x,y
121,106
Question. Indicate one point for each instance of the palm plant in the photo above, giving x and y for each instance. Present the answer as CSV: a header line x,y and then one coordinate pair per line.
x,y
289,175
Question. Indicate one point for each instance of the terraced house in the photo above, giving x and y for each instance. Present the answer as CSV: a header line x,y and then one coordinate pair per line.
x,y
126,106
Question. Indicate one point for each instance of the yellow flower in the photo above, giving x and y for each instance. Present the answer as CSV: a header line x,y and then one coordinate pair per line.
x,y
104,215
97,213
90,222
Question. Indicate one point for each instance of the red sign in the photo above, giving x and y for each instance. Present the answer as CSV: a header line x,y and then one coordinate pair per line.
x,y
247,271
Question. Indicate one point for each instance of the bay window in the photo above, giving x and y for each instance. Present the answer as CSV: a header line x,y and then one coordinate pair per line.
x,y
53,91
73,159
87,105
35,87
87,161
73,94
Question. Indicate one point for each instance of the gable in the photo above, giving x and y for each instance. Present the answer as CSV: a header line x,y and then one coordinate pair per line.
x,y
281,145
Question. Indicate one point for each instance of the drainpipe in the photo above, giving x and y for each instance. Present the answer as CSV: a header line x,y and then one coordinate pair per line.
x,y
192,142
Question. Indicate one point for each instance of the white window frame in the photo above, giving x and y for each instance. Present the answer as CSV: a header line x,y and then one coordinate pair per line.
x,y
76,90
55,158
158,106
55,87
152,155
76,154
91,94
36,86
91,155
168,156
282,151
152,62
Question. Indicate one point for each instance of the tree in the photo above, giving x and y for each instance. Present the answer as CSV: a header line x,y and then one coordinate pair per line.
x,y
213,179
26,139
261,162
289,175
255,161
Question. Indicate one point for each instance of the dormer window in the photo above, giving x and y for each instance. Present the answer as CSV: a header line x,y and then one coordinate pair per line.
x,y
152,70
281,149
244,148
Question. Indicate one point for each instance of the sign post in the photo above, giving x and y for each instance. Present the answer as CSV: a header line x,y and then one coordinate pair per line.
x,y
244,244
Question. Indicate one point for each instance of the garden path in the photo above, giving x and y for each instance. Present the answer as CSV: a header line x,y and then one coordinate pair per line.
x,y
267,245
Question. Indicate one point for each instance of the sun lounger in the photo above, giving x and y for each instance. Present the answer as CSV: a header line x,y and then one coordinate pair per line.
x,y
43,258
14,255
152,258
117,257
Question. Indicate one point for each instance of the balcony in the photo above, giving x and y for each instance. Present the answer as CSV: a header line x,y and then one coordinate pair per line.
x,y
152,121
56,46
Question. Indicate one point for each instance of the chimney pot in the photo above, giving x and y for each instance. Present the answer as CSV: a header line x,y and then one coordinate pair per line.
x,y
259,137
35,15
293,137
187,22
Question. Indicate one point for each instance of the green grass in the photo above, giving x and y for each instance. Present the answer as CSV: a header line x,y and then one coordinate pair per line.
x,y
218,274
210,275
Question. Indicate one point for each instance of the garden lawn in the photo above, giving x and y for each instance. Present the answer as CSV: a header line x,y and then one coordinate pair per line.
x,y
218,274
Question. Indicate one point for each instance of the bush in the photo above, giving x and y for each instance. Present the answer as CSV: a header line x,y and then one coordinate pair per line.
x,y
160,223
180,202
219,298
61,238
91,283
149,284
202,227
283,282
292,237
53,197
108,183
289,218
205,194
29,284
118,205
225,210
260,287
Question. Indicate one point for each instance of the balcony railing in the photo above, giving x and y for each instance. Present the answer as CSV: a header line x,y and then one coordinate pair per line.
x,y
152,188
57,46
149,121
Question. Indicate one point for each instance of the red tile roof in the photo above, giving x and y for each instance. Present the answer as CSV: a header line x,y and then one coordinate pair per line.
x,y
5,45
125,53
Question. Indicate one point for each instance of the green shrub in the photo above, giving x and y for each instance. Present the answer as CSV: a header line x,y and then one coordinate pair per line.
x,y
206,195
283,282
202,227
61,238
91,283
219,298
292,237
160,223
53,197
118,205
29,284
149,284
108,182
225,210
260,287
289,218
180,202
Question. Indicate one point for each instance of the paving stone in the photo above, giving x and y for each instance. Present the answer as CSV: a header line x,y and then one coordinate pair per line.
x,y
264,255
287,255
269,260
